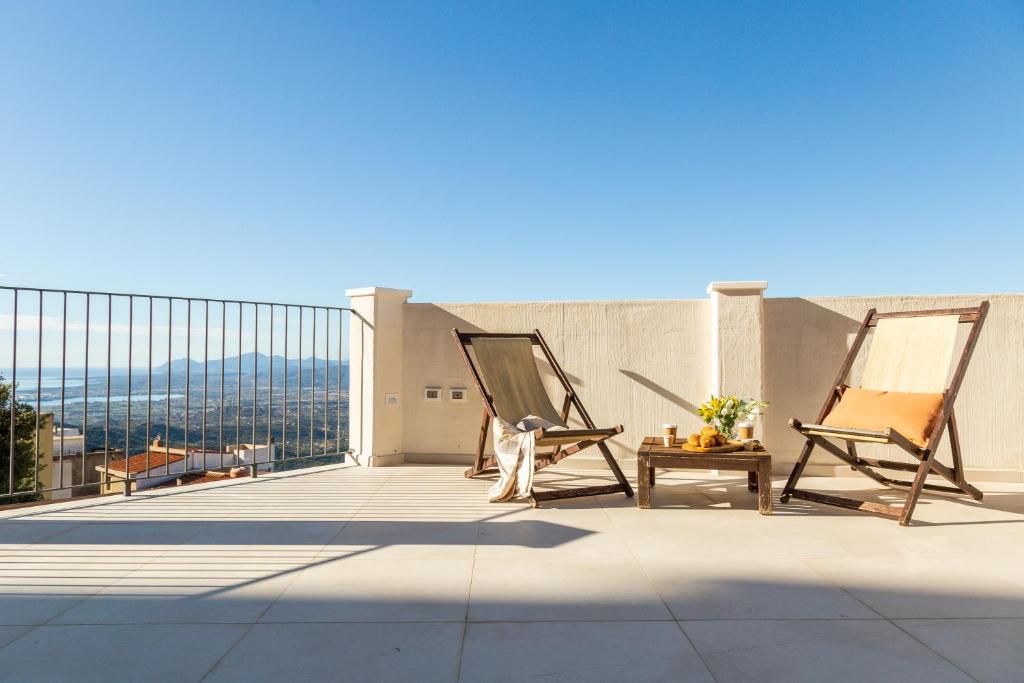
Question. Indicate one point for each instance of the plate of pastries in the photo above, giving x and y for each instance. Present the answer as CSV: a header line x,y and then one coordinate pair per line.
x,y
710,440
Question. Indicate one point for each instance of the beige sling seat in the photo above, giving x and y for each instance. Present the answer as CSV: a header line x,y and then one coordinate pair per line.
x,y
904,400
504,369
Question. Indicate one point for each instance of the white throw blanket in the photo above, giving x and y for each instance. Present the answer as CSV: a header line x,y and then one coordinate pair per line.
x,y
514,448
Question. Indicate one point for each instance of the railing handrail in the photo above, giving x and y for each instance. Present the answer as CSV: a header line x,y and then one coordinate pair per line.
x,y
170,297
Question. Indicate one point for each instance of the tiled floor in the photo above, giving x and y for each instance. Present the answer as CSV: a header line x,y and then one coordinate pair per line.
x,y
407,574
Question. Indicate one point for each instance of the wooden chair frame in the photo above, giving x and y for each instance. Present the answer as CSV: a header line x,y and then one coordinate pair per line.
x,y
564,442
818,434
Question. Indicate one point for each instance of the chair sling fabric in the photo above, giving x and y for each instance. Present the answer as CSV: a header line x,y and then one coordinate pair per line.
x,y
509,370
910,353
504,368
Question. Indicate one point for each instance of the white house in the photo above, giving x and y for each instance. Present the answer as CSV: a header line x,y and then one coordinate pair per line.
x,y
162,464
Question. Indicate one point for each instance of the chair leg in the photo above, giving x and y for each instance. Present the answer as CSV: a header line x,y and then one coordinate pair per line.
x,y
915,489
958,466
798,469
481,443
616,470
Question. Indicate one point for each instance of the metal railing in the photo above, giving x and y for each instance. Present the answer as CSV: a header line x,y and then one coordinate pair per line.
x,y
240,378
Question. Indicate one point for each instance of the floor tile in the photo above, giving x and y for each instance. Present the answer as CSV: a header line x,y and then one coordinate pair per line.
x,y
813,651
988,649
268,533
523,590
11,633
330,652
859,537
408,538
16,533
36,605
913,588
148,654
594,538
754,589
587,652
158,596
136,532
712,535
368,589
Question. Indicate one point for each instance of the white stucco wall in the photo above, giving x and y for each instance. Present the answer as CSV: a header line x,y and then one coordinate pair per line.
x,y
638,363
641,363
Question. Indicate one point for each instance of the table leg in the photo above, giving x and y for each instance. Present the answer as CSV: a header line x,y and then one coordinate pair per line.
x,y
643,475
752,481
764,487
652,476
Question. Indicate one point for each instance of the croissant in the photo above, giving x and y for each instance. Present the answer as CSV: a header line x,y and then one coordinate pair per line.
x,y
708,441
721,439
708,431
693,439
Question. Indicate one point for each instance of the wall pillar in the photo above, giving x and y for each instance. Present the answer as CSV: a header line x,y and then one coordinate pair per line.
x,y
375,374
737,338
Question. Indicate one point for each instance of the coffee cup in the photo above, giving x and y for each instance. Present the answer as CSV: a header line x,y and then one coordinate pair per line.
x,y
668,433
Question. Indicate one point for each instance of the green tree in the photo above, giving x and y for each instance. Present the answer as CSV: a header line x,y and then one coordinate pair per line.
x,y
24,446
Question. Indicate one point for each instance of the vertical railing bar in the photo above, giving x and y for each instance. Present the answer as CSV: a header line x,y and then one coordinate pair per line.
x,y
238,388
337,398
149,390
298,397
13,398
312,387
223,353
327,378
106,411
255,373
63,373
39,387
270,387
206,369
85,396
167,408
128,403
284,393
188,372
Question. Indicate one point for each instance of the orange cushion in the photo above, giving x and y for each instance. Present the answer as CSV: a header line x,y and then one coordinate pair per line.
x,y
910,414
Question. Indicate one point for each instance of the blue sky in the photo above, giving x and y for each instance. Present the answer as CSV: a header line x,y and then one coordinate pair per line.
x,y
511,151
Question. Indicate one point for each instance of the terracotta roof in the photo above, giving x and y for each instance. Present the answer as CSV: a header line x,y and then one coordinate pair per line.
x,y
201,478
139,463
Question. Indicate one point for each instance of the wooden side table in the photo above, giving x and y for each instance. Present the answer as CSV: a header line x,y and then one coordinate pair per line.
x,y
653,453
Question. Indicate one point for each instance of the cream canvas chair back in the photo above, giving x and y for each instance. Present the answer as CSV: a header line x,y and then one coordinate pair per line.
x,y
509,371
911,354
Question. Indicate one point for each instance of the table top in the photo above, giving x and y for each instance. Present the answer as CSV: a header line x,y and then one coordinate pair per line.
x,y
653,445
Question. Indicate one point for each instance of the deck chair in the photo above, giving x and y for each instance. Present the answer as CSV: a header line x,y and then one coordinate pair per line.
x,y
504,369
911,352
